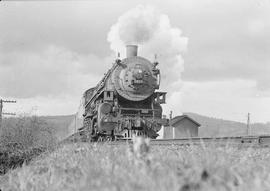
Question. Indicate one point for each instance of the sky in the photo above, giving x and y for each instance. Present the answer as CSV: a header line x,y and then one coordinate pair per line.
x,y
51,52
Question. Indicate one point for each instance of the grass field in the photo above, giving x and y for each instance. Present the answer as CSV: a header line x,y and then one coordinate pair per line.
x,y
84,166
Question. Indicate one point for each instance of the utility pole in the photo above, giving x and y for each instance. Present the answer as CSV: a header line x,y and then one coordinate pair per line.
x,y
170,115
248,126
1,109
173,128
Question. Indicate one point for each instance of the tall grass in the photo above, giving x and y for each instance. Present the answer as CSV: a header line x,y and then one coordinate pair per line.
x,y
85,166
22,139
27,132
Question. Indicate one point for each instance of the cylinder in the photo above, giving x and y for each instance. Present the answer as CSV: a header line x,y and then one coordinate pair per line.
x,y
132,50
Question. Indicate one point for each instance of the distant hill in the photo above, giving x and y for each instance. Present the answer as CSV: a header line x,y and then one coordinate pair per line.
x,y
61,123
219,127
210,126
58,124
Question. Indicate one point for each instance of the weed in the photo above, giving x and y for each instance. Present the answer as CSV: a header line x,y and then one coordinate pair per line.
x,y
22,139
87,166
139,152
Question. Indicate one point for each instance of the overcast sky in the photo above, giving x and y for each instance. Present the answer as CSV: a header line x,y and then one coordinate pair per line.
x,y
50,52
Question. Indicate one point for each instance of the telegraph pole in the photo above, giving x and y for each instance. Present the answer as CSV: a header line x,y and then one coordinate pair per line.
x,y
1,109
173,128
248,126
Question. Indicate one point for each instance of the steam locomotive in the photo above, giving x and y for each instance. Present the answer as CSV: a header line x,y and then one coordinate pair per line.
x,y
125,102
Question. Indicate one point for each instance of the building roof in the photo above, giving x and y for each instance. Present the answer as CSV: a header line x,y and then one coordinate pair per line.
x,y
176,119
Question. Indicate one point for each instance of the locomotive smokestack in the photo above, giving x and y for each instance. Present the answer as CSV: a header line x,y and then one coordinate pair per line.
x,y
132,50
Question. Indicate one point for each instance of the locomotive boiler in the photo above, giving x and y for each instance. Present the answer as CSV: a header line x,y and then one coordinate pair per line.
x,y
125,102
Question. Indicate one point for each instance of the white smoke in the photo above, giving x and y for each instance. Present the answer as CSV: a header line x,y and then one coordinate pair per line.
x,y
152,31
134,27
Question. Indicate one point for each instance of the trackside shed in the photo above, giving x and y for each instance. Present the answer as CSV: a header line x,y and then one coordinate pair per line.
x,y
181,126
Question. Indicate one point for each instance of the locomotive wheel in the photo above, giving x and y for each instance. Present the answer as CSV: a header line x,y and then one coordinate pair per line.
x,y
103,138
100,139
109,138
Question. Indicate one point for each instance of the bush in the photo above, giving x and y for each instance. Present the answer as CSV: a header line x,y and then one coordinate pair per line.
x,y
22,139
27,132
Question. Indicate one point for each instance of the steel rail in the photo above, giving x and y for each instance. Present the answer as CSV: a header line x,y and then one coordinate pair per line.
x,y
261,140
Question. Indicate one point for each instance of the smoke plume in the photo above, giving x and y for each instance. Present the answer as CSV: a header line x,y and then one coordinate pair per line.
x,y
152,31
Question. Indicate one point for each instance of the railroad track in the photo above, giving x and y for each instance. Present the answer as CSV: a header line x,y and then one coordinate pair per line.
x,y
262,140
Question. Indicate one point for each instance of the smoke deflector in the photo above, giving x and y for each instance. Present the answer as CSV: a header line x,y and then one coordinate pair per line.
x,y
132,50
